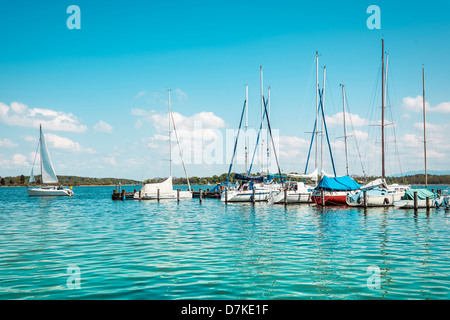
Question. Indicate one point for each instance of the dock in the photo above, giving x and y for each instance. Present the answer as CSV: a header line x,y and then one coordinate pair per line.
x,y
122,194
206,194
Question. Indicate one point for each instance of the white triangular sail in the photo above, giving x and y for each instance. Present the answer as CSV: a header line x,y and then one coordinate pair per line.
x,y
48,173
31,176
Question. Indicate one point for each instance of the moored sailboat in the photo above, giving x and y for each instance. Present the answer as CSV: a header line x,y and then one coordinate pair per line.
x,y
421,198
378,193
164,190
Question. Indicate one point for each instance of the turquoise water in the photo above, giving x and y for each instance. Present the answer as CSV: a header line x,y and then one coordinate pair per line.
x,y
149,250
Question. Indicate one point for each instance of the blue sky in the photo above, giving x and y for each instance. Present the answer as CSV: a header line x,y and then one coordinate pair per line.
x,y
100,91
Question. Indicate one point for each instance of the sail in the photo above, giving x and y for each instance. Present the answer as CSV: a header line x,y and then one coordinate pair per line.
x,y
164,187
48,173
31,176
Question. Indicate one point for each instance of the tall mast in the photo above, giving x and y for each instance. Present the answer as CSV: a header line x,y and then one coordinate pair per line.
x,y
386,79
317,101
40,151
262,121
383,172
321,122
268,137
246,128
345,129
424,128
170,137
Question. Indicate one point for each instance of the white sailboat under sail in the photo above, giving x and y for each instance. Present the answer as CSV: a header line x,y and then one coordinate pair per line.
x,y
48,175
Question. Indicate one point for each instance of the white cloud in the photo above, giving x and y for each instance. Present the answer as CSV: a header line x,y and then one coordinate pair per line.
x,y
56,142
181,95
18,114
6,143
416,105
103,127
19,160
338,120
141,94
110,160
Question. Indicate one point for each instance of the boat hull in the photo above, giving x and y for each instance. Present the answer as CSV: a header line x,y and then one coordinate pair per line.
x,y
163,196
376,201
49,192
292,197
421,204
245,196
331,198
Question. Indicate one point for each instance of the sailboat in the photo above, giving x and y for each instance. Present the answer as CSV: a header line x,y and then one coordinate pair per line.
x,y
250,188
296,191
48,175
407,201
164,190
378,193
331,190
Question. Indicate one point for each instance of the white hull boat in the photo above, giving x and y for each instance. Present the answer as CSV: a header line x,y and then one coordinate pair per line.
x,y
150,192
48,175
296,192
378,194
49,192
237,195
421,204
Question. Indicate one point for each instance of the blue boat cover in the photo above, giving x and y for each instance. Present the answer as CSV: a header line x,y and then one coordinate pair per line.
x,y
248,178
339,184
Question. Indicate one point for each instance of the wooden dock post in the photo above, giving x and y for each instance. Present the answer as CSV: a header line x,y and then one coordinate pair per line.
x,y
140,195
123,194
285,197
178,195
157,194
365,198
226,195
416,204
428,203
200,195
322,195
253,196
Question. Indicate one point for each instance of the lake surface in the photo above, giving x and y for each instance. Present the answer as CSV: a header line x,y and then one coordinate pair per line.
x,y
91,247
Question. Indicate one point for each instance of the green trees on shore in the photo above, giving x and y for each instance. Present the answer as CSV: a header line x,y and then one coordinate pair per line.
x,y
22,180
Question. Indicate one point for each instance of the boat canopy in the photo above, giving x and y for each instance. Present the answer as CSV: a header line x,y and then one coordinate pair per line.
x,y
248,178
339,184
376,183
355,198
312,176
422,194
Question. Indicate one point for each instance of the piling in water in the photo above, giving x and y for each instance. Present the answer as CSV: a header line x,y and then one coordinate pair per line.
x,y
416,204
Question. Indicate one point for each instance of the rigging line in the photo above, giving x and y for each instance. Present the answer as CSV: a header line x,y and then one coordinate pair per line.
x,y
307,89
326,130
256,145
371,110
310,146
356,140
181,153
34,161
273,145
236,142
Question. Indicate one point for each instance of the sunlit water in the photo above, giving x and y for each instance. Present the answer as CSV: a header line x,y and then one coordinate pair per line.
x,y
187,250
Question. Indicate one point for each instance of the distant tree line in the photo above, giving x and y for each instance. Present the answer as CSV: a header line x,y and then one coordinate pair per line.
x,y
66,181
418,179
